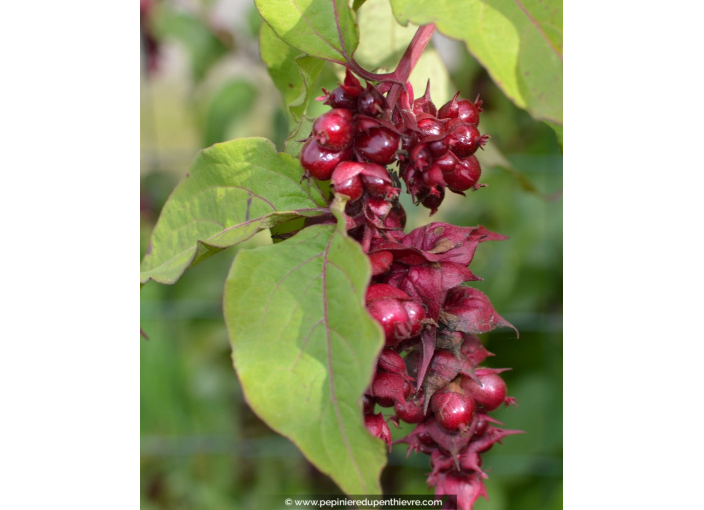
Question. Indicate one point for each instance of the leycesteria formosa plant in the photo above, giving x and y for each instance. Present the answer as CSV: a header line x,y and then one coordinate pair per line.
x,y
348,322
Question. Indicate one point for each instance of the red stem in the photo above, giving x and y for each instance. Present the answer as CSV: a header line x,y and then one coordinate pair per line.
x,y
408,62
403,69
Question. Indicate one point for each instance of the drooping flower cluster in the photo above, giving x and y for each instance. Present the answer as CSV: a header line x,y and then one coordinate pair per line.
x,y
418,291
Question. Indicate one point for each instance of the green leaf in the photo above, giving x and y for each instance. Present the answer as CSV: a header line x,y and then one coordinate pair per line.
x,y
204,46
382,40
233,190
293,73
294,143
320,28
519,43
304,348
230,103
558,132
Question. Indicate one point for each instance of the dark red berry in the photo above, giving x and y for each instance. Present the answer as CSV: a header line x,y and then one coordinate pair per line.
x,y
490,394
468,112
424,104
351,187
410,140
395,311
449,109
463,110
481,425
465,174
378,145
438,148
411,412
465,139
334,130
447,162
453,411
321,162
377,182
430,127
393,317
432,202
370,102
338,98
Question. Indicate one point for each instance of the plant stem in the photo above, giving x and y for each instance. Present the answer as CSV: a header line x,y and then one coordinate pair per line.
x,y
408,62
403,69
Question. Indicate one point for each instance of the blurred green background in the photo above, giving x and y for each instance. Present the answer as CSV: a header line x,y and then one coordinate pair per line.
x,y
201,447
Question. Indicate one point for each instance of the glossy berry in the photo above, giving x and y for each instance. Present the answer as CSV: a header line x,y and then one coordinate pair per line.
x,y
468,112
334,130
438,148
321,162
449,109
453,411
351,187
464,175
466,139
378,145
430,127
377,182
392,316
370,102
341,98
482,424
397,313
463,110
490,394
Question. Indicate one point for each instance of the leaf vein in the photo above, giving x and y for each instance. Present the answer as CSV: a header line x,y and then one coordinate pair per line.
x,y
316,32
540,29
340,422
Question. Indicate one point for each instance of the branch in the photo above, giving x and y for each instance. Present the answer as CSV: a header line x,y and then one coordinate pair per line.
x,y
408,62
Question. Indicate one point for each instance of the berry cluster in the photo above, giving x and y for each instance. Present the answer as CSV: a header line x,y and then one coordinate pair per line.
x,y
418,292
417,295
439,147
